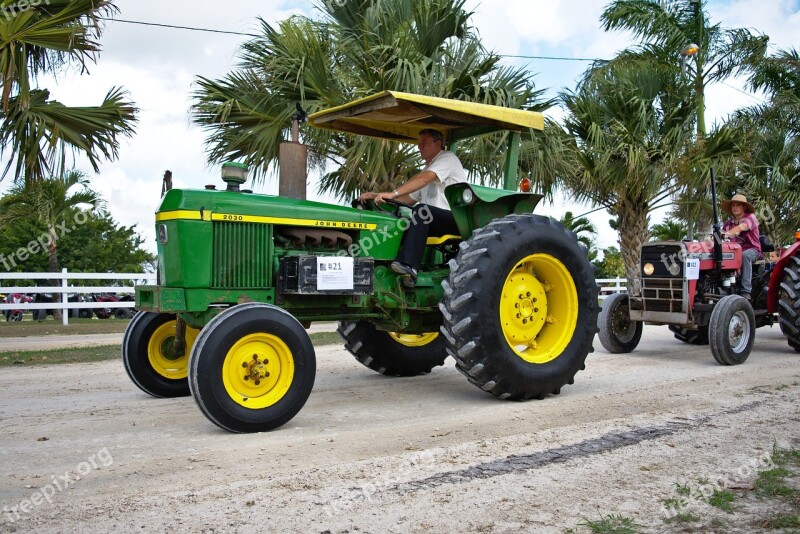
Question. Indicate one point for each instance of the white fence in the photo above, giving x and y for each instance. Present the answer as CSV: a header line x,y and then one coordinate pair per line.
x,y
608,286
132,279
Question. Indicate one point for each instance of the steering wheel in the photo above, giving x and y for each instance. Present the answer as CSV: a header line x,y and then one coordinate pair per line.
x,y
375,206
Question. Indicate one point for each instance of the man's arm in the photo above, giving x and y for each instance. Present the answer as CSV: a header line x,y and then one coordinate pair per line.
x,y
402,193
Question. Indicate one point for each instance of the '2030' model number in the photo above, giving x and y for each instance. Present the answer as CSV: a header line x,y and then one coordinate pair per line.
x,y
233,217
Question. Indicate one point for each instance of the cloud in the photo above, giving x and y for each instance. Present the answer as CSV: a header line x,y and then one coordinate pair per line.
x,y
158,67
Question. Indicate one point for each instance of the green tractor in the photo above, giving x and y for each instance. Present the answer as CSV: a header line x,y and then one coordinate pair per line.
x,y
241,276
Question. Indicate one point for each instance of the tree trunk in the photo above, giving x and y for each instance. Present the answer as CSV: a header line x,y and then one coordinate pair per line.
x,y
634,221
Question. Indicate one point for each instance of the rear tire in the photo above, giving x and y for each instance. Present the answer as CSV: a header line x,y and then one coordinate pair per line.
x,y
252,368
149,362
123,313
618,334
520,307
732,330
789,302
393,354
692,336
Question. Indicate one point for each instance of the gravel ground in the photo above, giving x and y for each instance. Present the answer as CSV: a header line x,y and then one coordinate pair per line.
x,y
84,450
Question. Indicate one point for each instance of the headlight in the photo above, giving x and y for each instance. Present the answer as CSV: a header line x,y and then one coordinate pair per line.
x,y
161,230
648,269
467,196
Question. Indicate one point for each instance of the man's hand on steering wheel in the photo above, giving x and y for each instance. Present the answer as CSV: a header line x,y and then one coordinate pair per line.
x,y
378,198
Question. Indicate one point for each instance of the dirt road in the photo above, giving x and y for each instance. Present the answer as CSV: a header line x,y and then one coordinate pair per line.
x,y
83,449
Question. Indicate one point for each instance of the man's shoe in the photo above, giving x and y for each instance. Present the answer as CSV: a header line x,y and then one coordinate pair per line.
x,y
747,296
407,273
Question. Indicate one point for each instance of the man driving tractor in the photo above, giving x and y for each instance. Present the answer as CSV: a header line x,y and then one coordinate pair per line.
x,y
424,190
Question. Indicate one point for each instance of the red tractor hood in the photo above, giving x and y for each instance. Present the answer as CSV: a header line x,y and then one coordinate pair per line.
x,y
704,251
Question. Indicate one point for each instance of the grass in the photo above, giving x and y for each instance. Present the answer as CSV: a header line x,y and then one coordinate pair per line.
x,y
107,352
611,524
49,357
683,489
774,492
722,499
48,327
787,521
687,517
772,483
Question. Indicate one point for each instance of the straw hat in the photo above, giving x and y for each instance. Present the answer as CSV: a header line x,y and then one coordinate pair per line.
x,y
741,199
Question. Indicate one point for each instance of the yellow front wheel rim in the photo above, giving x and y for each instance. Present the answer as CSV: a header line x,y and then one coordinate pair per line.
x,y
539,308
258,370
161,351
414,340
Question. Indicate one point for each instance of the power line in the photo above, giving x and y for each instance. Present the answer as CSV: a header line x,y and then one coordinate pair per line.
x,y
555,58
174,27
209,30
757,99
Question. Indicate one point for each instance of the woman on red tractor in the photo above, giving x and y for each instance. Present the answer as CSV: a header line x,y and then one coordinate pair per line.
x,y
743,225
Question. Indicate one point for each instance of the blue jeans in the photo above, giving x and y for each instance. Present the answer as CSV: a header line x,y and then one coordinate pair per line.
x,y
748,257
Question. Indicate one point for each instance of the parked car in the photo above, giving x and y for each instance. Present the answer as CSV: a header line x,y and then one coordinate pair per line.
x,y
41,315
16,298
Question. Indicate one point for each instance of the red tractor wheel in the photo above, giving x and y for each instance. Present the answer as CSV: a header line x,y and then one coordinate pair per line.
x,y
789,302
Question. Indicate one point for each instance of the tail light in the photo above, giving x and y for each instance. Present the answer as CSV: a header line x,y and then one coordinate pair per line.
x,y
525,185
797,235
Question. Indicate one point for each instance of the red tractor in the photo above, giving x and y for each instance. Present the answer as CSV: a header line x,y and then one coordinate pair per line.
x,y
694,288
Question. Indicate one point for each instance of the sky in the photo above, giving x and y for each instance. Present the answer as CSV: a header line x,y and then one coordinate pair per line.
x,y
159,66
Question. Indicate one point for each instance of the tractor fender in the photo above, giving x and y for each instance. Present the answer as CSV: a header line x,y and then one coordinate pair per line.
x,y
775,277
475,206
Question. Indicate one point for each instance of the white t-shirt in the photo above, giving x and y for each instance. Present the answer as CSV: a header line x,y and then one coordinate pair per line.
x,y
448,171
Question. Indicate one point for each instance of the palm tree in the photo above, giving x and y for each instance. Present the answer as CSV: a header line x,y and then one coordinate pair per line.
x,y
37,133
671,230
358,48
49,201
627,127
666,28
779,76
583,228
770,169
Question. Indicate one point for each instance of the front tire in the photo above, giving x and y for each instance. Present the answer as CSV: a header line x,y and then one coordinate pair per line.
x,y
789,302
520,307
390,353
618,334
252,368
149,357
732,330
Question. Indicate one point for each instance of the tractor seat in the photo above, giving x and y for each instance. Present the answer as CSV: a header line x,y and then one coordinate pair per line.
x,y
442,240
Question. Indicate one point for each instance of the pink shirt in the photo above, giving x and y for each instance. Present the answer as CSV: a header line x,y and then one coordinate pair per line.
x,y
750,238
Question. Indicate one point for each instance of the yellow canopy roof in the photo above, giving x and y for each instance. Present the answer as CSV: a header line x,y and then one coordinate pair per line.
x,y
400,117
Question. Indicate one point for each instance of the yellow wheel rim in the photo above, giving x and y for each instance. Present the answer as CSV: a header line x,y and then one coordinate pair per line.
x,y
414,340
258,370
161,352
539,308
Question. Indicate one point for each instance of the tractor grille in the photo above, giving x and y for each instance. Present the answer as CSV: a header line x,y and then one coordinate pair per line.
x,y
661,295
241,255
666,258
